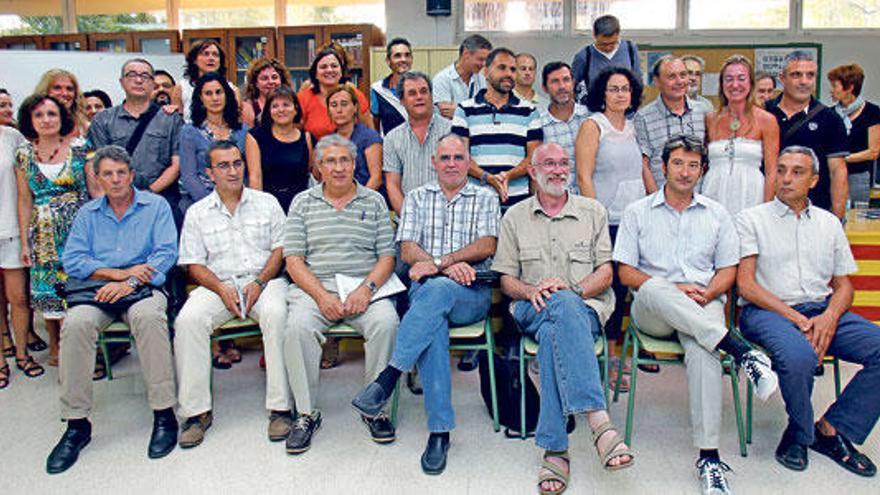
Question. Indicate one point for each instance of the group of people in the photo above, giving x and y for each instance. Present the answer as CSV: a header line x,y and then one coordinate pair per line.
x,y
271,201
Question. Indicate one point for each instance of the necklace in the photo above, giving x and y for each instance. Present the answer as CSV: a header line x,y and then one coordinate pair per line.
x,y
54,152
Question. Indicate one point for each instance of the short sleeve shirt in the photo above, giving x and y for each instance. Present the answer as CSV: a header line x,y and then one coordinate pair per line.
x,y
858,136
403,154
448,85
685,247
655,124
533,246
796,255
363,137
315,118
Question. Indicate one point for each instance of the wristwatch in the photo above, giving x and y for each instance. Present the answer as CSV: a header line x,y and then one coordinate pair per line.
x,y
133,282
438,262
372,286
259,282
578,290
484,178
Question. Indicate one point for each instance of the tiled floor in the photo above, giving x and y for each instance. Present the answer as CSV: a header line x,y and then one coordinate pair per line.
x,y
236,457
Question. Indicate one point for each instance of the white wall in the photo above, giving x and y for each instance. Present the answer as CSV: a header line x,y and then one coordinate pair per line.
x,y
407,18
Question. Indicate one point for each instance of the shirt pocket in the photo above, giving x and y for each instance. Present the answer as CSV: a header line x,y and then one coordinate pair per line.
x,y
218,240
580,264
156,145
532,267
257,233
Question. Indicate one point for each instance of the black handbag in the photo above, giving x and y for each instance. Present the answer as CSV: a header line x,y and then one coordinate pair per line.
x,y
78,291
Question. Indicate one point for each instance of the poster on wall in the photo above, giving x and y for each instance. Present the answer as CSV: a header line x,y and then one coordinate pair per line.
x,y
770,59
651,58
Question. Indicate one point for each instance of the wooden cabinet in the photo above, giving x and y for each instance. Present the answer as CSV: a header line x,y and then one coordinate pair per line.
x,y
157,42
21,42
240,45
111,42
65,42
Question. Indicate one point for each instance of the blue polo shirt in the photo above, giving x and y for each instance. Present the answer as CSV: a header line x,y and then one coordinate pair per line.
x,y
824,133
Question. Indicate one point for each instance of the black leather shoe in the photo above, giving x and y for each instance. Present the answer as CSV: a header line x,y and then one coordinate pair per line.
x,y
67,450
840,450
381,428
469,361
164,437
790,453
371,400
434,456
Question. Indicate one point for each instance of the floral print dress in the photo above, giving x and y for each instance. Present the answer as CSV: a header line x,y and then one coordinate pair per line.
x,y
55,204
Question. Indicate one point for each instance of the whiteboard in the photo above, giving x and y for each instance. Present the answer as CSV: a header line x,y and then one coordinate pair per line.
x,y
94,70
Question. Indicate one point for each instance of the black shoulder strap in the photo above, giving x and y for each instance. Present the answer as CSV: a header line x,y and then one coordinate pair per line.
x,y
793,129
586,74
143,121
633,56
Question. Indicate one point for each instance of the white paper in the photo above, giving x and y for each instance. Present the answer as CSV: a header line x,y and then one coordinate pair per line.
x,y
345,285
242,302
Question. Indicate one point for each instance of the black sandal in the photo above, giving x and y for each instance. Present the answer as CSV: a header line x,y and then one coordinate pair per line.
x,y
840,450
100,369
4,376
37,344
220,365
8,352
29,367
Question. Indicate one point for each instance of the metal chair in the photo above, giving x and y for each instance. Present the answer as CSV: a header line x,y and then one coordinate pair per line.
x,y
478,336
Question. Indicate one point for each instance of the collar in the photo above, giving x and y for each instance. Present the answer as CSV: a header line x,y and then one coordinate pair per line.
x,y
660,199
126,114
469,189
317,192
668,112
781,209
773,104
386,85
434,118
480,98
568,210
103,205
216,202
579,111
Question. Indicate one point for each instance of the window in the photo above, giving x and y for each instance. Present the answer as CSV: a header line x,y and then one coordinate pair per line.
x,y
101,16
12,25
633,14
513,15
739,14
825,14
338,12
196,14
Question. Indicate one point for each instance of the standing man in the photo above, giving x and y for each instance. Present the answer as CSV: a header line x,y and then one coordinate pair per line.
x,y
384,97
607,50
336,228
164,86
554,256
793,276
526,66
678,251
804,121
668,115
562,119
406,152
447,234
121,244
463,79
150,136
231,247
501,130
695,66
765,86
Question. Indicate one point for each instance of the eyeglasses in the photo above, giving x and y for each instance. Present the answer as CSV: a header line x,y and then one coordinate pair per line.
x,y
564,163
332,162
143,76
618,89
225,166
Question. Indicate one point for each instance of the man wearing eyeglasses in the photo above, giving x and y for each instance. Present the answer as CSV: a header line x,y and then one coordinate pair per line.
x,y
231,247
678,251
150,136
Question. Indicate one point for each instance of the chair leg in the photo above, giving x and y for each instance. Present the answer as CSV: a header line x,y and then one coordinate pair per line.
x,y
749,399
522,388
737,408
836,365
105,352
490,355
631,401
395,399
605,357
620,364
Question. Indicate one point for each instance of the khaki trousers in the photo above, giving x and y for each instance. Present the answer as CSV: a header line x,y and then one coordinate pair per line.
x,y
79,336
661,310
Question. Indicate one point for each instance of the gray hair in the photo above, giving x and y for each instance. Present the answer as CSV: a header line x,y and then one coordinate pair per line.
x,y
111,152
543,149
473,43
699,60
606,25
138,61
413,75
332,140
447,137
802,150
655,69
797,56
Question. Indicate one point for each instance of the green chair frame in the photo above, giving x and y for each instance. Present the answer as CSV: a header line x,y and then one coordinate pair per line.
x,y
528,350
472,334
653,345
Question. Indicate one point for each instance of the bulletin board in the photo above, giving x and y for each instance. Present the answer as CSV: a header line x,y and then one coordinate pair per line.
x,y
767,58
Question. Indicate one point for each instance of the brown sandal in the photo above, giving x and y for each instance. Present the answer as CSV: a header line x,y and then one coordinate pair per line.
x,y
554,473
611,452
29,367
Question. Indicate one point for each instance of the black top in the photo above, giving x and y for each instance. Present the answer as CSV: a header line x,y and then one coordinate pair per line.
x,y
824,133
858,136
285,166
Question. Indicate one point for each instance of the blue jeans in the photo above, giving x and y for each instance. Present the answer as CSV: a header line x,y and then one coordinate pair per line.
x,y
570,382
856,340
423,339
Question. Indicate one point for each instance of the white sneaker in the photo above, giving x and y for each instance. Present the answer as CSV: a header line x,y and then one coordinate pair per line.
x,y
756,365
711,474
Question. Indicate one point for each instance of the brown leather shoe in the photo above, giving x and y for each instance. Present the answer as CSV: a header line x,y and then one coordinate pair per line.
x,y
279,425
194,429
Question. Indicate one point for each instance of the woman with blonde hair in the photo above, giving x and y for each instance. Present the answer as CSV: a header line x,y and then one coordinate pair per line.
x,y
264,75
63,86
742,138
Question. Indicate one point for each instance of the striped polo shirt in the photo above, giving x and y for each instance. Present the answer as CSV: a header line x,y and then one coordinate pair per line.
x,y
498,136
348,242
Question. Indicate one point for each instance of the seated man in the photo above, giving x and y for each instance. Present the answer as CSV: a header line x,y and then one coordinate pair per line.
x,y
231,246
126,239
554,254
447,233
678,251
793,277
337,227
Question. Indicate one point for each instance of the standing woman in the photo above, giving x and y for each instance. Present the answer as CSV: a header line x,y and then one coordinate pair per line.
x,y
742,138
278,152
63,86
215,117
327,71
204,57
263,76
96,101
609,162
53,184
862,121
343,108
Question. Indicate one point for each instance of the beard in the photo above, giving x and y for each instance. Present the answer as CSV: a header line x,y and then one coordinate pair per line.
x,y
162,98
553,189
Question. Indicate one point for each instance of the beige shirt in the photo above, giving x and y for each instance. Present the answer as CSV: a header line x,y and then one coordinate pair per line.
x,y
534,246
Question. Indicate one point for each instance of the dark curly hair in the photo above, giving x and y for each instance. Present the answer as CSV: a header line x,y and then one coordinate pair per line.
x,y
313,69
230,109
279,92
191,70
596,94
26,124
